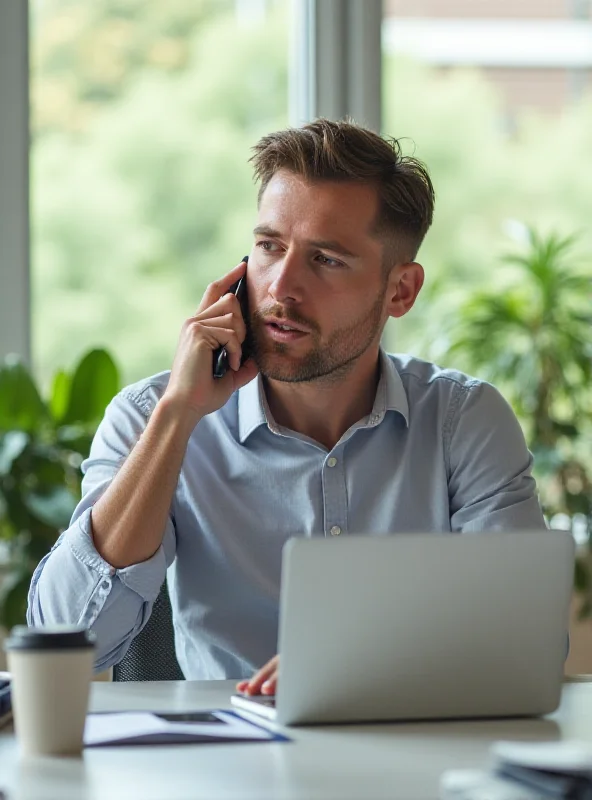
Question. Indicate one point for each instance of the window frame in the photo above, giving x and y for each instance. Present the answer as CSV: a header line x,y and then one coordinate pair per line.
x,y
15,302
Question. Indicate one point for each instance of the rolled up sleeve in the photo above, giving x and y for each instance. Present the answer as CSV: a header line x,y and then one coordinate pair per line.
x,y
490,481
73,583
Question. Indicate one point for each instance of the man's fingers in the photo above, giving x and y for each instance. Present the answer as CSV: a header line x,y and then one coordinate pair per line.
x,y
266,673
227,313
215,336
269,686
245,374
220,287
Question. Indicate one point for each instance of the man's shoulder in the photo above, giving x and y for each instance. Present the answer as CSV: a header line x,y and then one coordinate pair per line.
x,y
146,392
450,393
418,373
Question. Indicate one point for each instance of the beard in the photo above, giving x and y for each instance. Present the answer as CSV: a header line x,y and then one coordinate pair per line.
x,y
330,359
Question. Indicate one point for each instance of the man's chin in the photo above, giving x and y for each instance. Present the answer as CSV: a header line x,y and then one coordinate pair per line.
x,y
277,366
276,369
286,369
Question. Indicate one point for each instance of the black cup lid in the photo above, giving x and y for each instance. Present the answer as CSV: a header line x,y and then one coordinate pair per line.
x,y
50,637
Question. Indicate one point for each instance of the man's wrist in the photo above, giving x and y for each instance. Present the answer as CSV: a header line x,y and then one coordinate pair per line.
x,y
175,417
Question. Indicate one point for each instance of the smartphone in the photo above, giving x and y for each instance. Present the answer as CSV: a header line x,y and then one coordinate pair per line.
x,y
221,364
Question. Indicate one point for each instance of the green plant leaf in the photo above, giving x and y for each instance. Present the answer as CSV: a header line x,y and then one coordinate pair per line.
x,y
21,406
60,394
94,384
53,508
74,437
12,445
13,604
44,470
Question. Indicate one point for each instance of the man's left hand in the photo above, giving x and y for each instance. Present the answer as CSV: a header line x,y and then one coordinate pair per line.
x,y
264,681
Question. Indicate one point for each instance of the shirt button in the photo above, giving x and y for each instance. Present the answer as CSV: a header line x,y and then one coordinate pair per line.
x,y
335,530
331,462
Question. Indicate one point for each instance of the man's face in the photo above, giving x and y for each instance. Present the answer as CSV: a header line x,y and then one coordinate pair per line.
x,y
317,268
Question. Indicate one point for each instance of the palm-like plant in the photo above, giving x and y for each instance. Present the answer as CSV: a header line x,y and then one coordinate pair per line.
x,y
531,334
42,443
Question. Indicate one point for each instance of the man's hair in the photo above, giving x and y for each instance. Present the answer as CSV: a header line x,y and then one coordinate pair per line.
x,y
324,150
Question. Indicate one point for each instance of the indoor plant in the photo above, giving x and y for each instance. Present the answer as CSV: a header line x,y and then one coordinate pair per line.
x,y
530,333
42,444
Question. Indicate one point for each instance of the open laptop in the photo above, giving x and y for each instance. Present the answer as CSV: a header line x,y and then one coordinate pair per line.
x,y
421,626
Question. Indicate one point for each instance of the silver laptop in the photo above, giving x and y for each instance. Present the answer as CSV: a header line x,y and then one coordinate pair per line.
x,y
421,626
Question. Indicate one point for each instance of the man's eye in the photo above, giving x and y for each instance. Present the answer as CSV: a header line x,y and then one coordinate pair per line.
x,y
329,262
266,245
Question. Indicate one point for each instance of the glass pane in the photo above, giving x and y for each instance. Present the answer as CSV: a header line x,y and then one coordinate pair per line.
x,y
496,97
143,115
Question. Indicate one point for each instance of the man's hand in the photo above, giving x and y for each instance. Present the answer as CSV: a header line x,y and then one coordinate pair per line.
x,y
264,681
218,322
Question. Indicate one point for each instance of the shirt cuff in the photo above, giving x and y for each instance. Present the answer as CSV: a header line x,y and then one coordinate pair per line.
x,y
145,578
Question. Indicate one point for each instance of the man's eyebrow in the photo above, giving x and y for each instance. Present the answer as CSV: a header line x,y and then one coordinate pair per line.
x,y
322,244
265,230
335,247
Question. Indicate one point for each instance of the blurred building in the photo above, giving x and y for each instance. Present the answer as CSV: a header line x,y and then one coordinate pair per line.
x,y
538,52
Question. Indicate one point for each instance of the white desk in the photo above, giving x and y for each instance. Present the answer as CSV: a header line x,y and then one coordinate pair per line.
x,y
374,761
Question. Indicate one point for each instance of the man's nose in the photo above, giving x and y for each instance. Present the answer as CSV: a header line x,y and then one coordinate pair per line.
x,y
288,275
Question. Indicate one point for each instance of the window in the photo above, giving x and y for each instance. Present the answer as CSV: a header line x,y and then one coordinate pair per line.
x,y
143,115
496,97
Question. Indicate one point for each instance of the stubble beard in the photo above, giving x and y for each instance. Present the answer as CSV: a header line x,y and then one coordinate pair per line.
x,y
329,361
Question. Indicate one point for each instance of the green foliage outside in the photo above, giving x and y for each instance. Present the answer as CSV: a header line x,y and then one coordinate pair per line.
x,y
42,444
141,188
486,178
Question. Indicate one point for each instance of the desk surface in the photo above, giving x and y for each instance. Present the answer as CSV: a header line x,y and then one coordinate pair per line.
x,y
371,761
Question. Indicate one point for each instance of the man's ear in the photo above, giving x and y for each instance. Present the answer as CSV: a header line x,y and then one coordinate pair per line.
x,y
404,284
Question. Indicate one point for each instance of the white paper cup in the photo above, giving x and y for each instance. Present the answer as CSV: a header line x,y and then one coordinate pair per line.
x,y
51,670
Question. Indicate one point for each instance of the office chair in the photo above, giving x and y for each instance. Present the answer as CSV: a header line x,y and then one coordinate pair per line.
x,y
151,655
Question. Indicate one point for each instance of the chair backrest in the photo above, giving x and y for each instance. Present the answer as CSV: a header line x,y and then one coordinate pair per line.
x,y
151,655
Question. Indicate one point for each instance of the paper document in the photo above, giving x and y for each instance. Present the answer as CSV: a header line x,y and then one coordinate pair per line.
x,y
144,727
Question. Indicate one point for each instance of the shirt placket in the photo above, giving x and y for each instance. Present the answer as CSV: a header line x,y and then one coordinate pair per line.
x,y
334,493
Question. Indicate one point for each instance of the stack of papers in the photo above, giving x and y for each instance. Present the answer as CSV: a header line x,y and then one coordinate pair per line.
x,y
143,727
526,771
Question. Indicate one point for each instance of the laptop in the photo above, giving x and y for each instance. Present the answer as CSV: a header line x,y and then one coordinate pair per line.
x,y
421,626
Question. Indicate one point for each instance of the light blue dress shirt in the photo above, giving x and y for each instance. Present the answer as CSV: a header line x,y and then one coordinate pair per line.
x,y
439,452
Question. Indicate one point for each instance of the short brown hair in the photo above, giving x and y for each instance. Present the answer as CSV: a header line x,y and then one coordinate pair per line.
x,y
324,150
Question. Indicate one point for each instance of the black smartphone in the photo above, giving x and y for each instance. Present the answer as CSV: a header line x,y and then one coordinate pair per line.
x,y
221,364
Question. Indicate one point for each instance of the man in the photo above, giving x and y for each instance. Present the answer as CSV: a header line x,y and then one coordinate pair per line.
x,y
319,434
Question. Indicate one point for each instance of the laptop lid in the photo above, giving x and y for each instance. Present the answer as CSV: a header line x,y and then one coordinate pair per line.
x,y
423,626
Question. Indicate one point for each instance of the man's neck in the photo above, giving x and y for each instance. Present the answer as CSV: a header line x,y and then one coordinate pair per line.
x,y
324,409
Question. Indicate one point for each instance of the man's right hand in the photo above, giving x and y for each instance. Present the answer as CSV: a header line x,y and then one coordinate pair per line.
x,y
218,322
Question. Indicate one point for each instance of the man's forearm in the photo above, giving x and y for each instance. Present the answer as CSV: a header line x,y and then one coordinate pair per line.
x,y
128,522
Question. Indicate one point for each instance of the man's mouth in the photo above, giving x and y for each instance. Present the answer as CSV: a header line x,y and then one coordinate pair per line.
x,y
282,331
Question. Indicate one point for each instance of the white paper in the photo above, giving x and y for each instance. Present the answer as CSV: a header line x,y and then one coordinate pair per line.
x,y
565,757
135,725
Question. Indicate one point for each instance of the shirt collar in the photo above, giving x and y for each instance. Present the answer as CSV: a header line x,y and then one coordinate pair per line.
x,y
253,409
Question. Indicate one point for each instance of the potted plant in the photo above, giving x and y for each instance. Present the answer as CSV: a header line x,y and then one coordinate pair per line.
x,y
42,445
531,334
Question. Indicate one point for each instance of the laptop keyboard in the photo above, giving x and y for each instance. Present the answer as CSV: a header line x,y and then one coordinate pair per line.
x,y
266,700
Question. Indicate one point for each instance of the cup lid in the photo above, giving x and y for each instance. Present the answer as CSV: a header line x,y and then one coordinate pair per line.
x,y
50,637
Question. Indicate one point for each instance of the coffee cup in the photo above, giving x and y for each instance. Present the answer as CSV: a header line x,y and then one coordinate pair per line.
x,y
51,670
